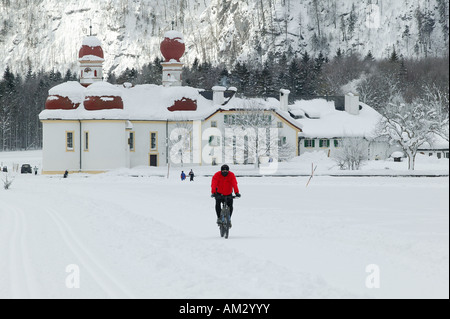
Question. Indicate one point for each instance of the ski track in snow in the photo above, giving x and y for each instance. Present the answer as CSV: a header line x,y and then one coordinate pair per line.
x,y
143,238
195,262
22,282
101,275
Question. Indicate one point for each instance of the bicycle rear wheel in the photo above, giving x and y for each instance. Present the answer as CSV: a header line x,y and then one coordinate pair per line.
x,y
222,229
224,225
227,223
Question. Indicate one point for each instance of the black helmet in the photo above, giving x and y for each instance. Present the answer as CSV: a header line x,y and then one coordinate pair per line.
x,y
225,168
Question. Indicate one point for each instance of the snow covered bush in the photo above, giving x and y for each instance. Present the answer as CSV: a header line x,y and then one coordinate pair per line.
x,y
351,154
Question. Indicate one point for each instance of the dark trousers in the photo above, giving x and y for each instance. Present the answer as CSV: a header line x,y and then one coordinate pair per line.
x,y
219,201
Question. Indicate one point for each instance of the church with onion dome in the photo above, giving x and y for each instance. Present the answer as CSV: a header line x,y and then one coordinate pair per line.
x,y
92,126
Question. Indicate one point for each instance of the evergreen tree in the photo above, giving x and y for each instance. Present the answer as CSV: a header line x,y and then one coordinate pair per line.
x,y
294,82
306,76
369,57
338,54
240,77
394,56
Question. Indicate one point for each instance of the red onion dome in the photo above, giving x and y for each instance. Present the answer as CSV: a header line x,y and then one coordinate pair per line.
x,y
103,96
91,49
173,47
66,96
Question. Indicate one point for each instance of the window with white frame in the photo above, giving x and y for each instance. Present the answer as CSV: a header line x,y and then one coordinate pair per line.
x,y
69,142
324,143
309,143
86,141
337,143
153,141
131,141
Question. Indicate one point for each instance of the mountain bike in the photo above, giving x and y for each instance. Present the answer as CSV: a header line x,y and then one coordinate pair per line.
x,y
225,218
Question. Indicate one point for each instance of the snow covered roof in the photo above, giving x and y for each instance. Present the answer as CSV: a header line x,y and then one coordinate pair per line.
x,y
437,143
151,103
91,57
102,89
72,90
92,41
142,102
91,50
323,120
174,35
269,104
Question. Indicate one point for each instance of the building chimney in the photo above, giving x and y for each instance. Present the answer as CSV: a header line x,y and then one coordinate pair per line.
x,y
218,95
352,103
284,99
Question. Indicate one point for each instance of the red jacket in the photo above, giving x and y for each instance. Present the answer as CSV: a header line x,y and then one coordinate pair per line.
x,y
224,185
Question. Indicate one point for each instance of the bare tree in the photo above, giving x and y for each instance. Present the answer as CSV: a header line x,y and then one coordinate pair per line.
x,y
251,135
7,181
409,125
180,142
438,99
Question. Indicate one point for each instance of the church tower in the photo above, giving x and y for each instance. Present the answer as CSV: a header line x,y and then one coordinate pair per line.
x,y
91,61
172,48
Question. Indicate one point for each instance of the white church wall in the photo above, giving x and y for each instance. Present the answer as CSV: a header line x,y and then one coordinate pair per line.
x,y
57,157
143,130
108,145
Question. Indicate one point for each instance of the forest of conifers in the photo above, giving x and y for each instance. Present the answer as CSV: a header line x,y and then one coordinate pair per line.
x,y
22,97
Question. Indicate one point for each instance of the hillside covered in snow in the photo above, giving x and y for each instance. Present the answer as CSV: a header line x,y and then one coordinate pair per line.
x,y
47,34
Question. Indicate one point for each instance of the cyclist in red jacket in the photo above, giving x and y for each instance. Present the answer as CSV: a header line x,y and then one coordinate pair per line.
x,y
224,183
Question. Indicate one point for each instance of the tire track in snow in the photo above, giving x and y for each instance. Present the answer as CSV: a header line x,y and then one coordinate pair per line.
x,y
110,285
22,280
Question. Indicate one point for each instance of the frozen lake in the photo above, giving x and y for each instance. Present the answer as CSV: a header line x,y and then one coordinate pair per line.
x,y
151,237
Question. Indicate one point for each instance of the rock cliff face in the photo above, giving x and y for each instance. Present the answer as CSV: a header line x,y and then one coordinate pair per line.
x,y
47,34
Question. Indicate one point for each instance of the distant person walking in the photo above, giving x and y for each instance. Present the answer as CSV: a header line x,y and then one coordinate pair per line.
x,y
183,176
66,173
191,175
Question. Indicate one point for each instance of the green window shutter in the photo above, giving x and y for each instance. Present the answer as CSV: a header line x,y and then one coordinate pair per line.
x,y
306,143
336,143
320,143
313,143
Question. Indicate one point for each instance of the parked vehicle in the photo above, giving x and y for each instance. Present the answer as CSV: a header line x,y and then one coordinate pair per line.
x,y
26,169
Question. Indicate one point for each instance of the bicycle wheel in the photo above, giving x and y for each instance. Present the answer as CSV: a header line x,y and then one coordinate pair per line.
x,y
227,223
222,222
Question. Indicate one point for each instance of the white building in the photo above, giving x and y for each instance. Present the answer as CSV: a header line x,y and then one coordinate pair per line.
x,y
96,126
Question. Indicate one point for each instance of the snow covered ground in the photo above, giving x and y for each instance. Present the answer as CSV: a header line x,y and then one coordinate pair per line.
x,y
152,237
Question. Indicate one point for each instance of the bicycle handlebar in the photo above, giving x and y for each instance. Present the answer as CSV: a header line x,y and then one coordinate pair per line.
x,y
226,196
